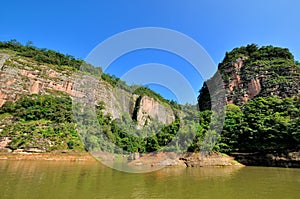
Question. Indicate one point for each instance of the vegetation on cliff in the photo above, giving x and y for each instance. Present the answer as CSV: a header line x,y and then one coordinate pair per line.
x,y
262,92
41,54
68,62
40,121
46,121
262,124
118,136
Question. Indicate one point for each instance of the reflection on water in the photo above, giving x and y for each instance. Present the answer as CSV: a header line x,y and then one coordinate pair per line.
x,y
50,179
201,173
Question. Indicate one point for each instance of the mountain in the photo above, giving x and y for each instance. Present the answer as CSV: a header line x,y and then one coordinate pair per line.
x,y
50,101
262,93
38,96
249,72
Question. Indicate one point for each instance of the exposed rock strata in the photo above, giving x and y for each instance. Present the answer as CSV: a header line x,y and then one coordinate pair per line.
x,y
243,83
19,76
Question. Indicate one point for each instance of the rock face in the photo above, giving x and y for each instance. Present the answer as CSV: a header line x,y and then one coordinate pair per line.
x,y
246,78
238,88
3,58
21,76
16,82
150,108
4,143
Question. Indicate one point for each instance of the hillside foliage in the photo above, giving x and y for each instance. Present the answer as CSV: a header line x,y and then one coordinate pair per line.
x,y
269,121
262,124
40,121
41,54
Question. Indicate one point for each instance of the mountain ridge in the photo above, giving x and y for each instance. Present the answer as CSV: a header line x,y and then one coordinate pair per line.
x,y
28,71
40,90
262,89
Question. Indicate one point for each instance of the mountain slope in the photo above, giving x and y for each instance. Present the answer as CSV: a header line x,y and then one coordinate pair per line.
x,y
250,72
262,87
39,88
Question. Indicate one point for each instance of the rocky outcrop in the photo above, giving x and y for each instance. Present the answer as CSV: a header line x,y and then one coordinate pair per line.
x,y
186,159
16,81
150,109
239,90
245,80
21,76
210,159
3,58
271,159
4,144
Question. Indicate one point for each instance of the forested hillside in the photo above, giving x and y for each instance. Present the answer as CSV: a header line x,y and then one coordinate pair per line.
x,y
37,111
263,95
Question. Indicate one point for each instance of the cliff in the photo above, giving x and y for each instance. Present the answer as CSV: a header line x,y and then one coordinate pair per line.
x,y
250,72
262,87
24,76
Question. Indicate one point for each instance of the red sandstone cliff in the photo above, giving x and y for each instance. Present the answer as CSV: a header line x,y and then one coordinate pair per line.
x,y
22,76
245,79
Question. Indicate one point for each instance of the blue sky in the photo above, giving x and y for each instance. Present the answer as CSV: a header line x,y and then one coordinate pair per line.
x,y
77,27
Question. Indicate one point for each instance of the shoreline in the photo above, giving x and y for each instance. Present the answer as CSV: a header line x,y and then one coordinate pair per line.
x,y
188,159
49,156
165,159
152,159
269,159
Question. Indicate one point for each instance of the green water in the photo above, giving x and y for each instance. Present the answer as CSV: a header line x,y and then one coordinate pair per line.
x,y
49,179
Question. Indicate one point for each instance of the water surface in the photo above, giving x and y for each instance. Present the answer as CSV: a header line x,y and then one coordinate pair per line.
x,y
63,179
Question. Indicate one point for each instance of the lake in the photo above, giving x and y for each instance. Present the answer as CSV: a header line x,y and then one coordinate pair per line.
x,y
63,179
